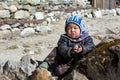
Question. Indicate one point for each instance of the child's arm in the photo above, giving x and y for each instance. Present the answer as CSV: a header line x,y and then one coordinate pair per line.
x,y
63,48
88,45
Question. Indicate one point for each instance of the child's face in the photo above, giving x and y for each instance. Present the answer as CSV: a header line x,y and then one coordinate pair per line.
x,y
73,30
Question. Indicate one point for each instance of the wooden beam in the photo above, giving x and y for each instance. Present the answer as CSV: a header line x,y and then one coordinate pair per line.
x,y
94,3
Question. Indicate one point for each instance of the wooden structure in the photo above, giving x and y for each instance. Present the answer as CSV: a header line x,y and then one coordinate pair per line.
x,y
103,4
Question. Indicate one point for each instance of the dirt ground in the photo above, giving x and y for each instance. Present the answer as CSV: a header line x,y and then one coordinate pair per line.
x,y
41,45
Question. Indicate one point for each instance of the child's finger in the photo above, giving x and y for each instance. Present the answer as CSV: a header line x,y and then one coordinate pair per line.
x,y
75,47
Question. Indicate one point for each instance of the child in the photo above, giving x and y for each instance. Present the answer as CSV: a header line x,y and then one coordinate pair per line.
x,y
72,46
75,43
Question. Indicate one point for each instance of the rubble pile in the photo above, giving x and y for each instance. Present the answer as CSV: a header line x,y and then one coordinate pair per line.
x,y
20,16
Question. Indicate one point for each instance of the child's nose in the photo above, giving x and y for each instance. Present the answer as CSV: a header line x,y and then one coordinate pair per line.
x,y
72,29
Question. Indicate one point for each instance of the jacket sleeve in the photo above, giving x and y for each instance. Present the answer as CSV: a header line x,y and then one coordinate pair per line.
x,y
63,48
88,45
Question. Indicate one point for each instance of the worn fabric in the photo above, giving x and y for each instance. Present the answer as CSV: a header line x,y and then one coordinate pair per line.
x,y
60,60
54,68
64,61
65,44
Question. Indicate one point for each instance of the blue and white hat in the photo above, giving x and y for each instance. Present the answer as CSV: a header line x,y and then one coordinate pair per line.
x,y
76,20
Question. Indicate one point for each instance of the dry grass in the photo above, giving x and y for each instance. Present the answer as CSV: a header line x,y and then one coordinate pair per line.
x,y
12,47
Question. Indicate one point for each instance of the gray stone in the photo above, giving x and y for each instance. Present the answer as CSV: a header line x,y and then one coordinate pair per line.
x,y
48,20
12,70
74,13
32,10
110,37
39,15
42,28
15,25
27,32
22,14
5,34
4,14
15,32
13,8
4,5
26,1
26,65
97,14
5,27
118,11
36,1
51,14
113,12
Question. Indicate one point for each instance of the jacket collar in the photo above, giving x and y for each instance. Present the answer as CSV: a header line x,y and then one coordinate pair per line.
x,y
80,38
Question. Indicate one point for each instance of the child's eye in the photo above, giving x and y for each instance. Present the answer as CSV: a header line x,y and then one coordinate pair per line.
x,y
72,27
75,27
68,28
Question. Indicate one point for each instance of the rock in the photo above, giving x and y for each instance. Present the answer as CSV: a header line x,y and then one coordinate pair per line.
x,y
110,37
56,7
13,2
41,74
97,14
27,32
32,10
51,14
26,65
12,70
13,8
4,14
1,7
96,41
88,15
3,77
113,12
5,27
22,14
105,12
26,1
118,11
5,34
39,15
15,32
48,21
36,2
4,5
74,13
44,23
42,29
6,67
16,25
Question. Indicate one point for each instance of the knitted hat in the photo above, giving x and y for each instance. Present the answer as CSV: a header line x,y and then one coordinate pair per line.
x,y
76,20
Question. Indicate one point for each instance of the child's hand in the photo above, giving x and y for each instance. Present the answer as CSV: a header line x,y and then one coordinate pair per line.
x,y
76,49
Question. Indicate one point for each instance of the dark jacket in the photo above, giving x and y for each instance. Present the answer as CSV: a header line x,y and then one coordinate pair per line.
x,y
65,44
